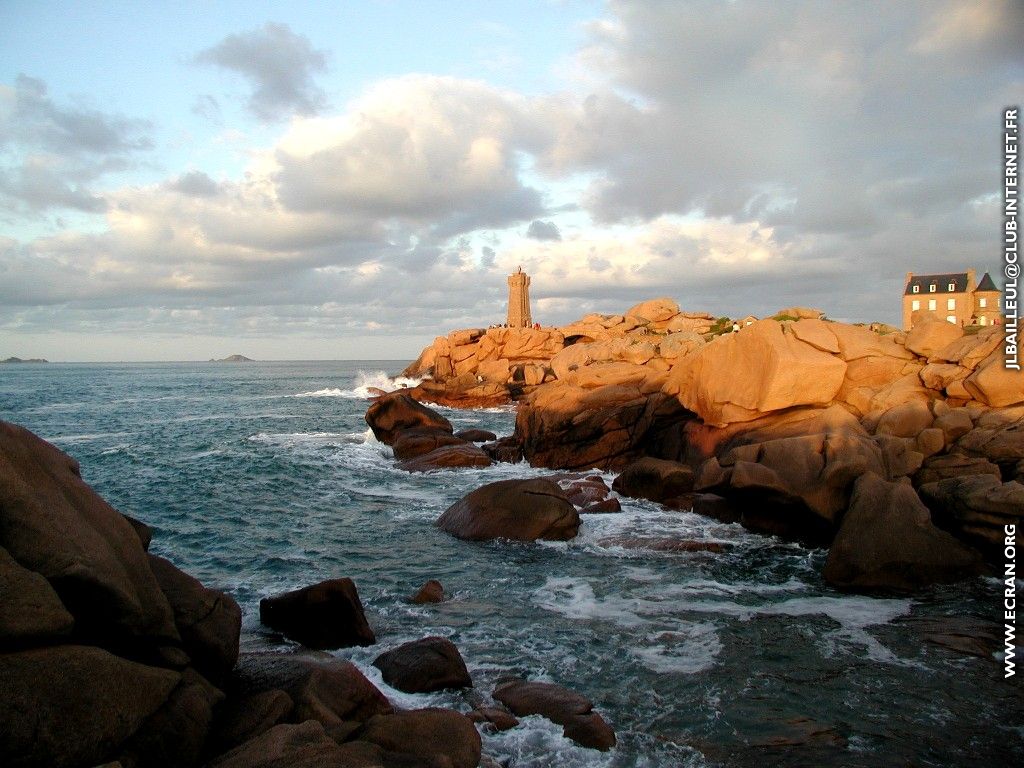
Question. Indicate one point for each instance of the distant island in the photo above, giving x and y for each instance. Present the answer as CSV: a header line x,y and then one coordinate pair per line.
x,y
20,360
233,359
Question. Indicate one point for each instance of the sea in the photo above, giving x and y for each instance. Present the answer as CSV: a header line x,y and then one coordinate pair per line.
x,y
263,477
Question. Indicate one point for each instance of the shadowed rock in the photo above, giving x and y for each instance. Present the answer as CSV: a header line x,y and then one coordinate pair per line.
x,y
325,615
573,711
422,666
448,457
525,510
30,611
476,435
428,734
654,479
430,592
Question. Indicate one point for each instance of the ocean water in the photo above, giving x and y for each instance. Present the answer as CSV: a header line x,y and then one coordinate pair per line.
x,y
263,477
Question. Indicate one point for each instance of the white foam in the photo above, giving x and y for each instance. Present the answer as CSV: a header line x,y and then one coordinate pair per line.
x,y
691,648
366,384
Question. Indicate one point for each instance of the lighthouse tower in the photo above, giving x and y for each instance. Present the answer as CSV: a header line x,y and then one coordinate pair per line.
x,y
519,300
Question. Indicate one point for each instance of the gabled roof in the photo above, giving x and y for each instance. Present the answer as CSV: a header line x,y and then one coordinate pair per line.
x,y
986,284
942,283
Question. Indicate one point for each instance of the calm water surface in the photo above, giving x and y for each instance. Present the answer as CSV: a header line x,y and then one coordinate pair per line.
x,y
263,477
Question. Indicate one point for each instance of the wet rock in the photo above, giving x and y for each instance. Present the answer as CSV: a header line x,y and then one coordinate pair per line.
x,y
411,443
476,435
209,621
430,592
716,507
498,718
428,734
30,611
325,615
664,544
448,457
654,479
573,711
611,505
507,450
322,687
397,411
525,510
70,705
888,542
54,524
422,666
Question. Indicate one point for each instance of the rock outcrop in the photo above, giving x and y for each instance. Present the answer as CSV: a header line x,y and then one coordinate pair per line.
x,y
325,615
422,666
525,510
573,711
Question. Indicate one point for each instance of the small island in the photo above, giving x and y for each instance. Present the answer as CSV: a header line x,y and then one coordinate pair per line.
x,y
233,359
21,360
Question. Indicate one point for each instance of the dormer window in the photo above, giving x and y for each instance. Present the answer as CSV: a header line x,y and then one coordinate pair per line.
x,y
952,286
931,288
916,289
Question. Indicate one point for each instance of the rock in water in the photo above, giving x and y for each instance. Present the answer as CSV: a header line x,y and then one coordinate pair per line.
x,y
654,479
422,666
887,542
448,457
525,510
476,435
431,592
395,412
573,711
435,736
325,615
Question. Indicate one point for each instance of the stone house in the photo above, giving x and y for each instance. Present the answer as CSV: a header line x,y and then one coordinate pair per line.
x,y
955,297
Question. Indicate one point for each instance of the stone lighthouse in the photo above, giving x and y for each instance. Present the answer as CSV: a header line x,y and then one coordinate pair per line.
x,y
519,300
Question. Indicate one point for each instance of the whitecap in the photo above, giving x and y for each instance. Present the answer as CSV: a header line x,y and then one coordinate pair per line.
x,y
366,384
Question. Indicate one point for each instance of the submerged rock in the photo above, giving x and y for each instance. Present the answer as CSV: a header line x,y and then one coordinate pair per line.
x,y
431,592
325,615
573,711
525,510
422,666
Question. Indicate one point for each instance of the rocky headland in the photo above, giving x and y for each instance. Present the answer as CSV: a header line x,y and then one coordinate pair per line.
x,y
902,452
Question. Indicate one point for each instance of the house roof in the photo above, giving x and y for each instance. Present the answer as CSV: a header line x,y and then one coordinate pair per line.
x,y
942,283
986,284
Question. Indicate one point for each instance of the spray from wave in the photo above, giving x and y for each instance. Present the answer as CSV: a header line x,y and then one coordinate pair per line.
x,y
366,384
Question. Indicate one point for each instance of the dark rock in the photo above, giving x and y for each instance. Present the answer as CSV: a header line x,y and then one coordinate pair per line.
x,y
69,706
499,718
604,507
30,611
427,734
962,634
430,592
305,745
175,735
665,544
242,718
716,507
208,621
888,542
322,687
525,510
976,509
422,666
143,531
573,711
325,615
654,479
390,414
950,465
447,457
476,435
506,450
54,524
411,443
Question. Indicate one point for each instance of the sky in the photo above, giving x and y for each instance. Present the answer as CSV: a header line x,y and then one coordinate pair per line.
x,y
189,180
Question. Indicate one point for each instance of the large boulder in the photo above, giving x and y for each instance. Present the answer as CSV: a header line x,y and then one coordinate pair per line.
x,y
573,711
887,542
305,745
976,508
69,706
325,615
417,441
929,337
994,385
394,412
654,479
428,734
422,666
54,524
448,457
320,686
525,510
30,611
209,621
654,310
763,368
242,718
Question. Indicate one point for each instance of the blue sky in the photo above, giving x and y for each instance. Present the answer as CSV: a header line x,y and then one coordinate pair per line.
x,y
284,180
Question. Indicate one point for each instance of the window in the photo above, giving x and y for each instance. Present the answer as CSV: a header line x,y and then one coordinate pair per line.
x,y
951,319
931,288
982,320
951,304
931,305
915,305
982,303
916,289
952,286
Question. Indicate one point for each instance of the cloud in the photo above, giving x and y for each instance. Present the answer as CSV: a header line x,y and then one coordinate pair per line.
x,y
279,64
543,230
